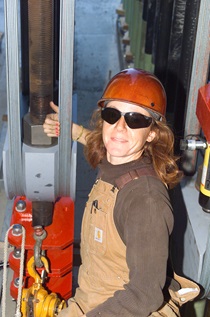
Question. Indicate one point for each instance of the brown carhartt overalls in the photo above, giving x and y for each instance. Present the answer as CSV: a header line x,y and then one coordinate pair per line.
x,y
104,269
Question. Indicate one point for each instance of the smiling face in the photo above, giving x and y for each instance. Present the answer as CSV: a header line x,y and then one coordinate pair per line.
x,y
122,143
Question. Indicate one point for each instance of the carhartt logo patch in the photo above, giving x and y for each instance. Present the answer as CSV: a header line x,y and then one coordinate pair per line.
x,y
98,235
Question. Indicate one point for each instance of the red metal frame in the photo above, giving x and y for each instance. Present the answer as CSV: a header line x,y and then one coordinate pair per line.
x,y
58,246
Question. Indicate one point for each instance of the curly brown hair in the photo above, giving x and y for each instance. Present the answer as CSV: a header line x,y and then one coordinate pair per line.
x,y
160,151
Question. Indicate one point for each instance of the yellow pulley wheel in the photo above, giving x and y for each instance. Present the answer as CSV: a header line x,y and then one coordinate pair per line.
x,y
36,301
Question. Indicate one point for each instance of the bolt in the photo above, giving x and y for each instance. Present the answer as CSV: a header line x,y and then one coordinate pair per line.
x,y
16,282
17,253
20,206
17,230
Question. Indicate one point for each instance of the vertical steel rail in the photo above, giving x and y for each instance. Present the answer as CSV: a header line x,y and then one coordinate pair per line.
x,y
199,74
14,170
65,93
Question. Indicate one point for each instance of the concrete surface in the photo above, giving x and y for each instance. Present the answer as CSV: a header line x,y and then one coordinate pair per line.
x,y
95,61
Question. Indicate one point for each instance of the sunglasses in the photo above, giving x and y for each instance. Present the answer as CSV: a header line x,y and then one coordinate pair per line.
x,y
134,120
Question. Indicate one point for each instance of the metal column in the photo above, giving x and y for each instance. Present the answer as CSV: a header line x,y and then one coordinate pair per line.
x,y
65,93
14,171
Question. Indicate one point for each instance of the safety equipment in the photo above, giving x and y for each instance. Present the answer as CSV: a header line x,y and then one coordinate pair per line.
x,y
35,300
138,87
134,120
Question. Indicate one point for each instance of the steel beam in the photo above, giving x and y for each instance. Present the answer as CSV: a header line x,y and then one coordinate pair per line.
x,y
14,161
65,93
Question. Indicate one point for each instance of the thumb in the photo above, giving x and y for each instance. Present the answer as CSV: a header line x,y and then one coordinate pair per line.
x,y
54,107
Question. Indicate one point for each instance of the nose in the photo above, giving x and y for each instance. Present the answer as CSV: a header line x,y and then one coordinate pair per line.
x,y
121,124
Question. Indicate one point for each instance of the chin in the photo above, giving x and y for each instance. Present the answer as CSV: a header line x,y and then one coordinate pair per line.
x,y
116,153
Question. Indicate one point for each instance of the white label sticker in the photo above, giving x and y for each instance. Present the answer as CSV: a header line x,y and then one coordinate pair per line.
x,y
98,235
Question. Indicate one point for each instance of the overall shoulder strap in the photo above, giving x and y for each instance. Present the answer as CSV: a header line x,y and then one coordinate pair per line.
x,y
134,174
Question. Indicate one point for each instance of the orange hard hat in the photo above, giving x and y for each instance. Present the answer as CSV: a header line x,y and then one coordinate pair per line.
x,y
138,87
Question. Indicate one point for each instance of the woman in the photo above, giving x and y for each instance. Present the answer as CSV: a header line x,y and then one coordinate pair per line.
x,y
128,217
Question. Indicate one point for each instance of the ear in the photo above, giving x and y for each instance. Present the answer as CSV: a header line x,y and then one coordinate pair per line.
x,y
151,136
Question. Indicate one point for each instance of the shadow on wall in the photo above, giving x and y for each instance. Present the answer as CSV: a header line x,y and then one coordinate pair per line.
x,y
180,224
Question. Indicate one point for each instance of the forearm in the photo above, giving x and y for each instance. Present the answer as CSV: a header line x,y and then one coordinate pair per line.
x,y
79,133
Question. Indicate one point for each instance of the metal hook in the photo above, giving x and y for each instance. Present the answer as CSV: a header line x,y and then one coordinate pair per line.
x,y
32,270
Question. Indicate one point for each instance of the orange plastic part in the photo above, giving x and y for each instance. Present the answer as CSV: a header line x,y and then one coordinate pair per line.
x,y
203,110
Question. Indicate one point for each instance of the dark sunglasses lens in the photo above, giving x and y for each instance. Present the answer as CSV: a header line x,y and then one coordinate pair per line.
x,y
133,119
110,115
137,120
